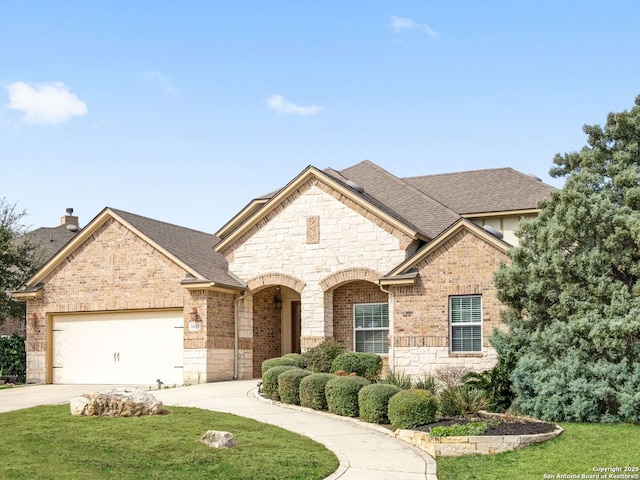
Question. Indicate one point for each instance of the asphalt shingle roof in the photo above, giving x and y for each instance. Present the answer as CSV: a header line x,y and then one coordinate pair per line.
x,y
192,247
483,191
408,204
51,240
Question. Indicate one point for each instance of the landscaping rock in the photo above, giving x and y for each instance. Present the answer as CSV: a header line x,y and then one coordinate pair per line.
x,y
120,402
218,439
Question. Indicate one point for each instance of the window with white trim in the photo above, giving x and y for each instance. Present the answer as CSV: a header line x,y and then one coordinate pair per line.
x,y
371,327
465,321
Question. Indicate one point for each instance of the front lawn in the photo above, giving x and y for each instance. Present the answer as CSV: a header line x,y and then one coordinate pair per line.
x,y
49,443
580,449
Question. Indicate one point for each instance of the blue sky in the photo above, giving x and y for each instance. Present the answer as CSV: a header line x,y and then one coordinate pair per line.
x,y
185,111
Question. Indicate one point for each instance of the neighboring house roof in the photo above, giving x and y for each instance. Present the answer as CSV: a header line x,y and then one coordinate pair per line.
x,y
484,191
51,239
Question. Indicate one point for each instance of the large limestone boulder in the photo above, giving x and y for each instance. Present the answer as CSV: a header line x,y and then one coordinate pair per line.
x,y
120,402
218,439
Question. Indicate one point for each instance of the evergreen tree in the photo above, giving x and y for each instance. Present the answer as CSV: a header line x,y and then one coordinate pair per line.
x,y
572,291
18,259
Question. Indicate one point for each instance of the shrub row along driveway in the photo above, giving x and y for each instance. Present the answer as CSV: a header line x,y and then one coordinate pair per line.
x,y
363,453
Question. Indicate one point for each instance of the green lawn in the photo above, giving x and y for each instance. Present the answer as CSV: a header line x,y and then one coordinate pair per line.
x,y
48,443
576,452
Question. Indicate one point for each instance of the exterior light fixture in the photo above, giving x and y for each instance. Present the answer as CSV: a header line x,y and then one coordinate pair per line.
x,y
277,302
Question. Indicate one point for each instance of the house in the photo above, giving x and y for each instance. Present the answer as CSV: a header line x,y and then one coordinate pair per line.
x,y
48,241
402,267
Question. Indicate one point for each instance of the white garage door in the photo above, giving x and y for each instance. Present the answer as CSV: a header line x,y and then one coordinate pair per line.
x,y
131,348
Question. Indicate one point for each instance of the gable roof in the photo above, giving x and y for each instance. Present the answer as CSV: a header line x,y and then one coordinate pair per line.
x,y
484,191
405,272
191,249
235,229
51,239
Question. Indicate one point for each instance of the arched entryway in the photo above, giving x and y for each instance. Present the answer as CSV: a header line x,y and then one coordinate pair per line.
x,y
276,324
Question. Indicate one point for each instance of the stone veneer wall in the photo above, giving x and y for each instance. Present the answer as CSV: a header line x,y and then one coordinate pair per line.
x,y
349,238
112,270
463,265
344,297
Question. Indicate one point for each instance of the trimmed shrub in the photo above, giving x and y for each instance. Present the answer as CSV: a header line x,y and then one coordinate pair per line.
x,y
312,390
279,361
289,385
342,395
373,402
412,408
270,381
297,357
462,400
319,358
399,379
366,365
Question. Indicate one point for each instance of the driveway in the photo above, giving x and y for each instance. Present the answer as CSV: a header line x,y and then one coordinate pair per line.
x,y
366,452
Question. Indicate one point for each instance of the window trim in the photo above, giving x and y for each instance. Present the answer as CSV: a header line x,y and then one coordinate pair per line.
x,y
465,324
371,329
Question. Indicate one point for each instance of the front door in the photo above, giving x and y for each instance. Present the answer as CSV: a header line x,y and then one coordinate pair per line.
x,y
296,324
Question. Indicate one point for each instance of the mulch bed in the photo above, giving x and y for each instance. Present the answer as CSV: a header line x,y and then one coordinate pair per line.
x,y
496,426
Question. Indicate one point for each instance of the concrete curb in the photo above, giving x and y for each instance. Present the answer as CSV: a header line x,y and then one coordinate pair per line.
x,y
430,463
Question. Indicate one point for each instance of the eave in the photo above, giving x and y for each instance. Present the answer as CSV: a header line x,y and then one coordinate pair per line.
x,y
504,213
26,293
408,279
198,284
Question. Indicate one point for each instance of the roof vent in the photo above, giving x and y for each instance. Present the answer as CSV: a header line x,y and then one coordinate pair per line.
x,y
534,177
355,186
69,211
72,227
493,231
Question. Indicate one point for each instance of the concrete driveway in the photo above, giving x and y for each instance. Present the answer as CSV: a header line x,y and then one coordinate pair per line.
x,y
366,452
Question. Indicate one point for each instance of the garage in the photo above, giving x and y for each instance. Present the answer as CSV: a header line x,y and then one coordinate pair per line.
x,y
128,348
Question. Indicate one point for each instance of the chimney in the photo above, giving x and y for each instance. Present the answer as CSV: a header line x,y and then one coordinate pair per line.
x,y
70,220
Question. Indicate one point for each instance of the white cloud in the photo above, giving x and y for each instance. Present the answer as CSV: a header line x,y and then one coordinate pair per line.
x,y
154,76
49,103
280,105
401,23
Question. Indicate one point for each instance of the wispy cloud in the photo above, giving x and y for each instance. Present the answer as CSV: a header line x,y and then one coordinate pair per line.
x,y
160,79
399,24
49,103
280,105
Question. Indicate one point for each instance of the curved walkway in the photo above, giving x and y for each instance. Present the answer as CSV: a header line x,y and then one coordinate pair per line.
x,y
365,452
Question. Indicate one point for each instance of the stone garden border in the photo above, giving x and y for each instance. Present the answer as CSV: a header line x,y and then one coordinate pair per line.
x,y
476,444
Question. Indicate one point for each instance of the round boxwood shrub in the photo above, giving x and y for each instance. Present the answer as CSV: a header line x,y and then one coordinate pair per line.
x,y
367,365
301,361
312,390
279,361
319,358
412,408
342,395
373,401
270,381
289,385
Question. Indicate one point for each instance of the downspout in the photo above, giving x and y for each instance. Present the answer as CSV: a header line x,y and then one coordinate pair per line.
x,y
236,315
391,328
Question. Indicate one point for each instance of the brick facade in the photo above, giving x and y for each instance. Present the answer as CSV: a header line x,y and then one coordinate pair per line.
x,y
267,329
463,265
114,270
344,298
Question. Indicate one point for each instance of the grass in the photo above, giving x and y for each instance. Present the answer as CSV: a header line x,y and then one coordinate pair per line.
x,y
48,443
580,449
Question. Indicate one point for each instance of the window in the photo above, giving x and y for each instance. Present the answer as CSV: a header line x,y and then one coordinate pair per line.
x,y
371,327
465,315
